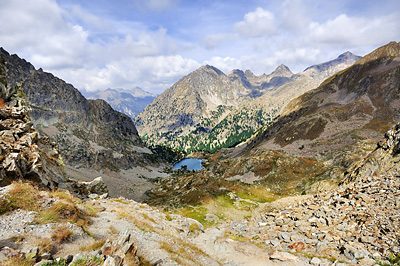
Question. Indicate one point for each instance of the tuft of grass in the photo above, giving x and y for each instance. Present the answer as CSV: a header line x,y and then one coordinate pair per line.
x,y
61,234
93,261
5,205
17,261
64,211
148,217
21,196
180,251
91,209
257,194
195,212
45,245
194,228
64,195
142,224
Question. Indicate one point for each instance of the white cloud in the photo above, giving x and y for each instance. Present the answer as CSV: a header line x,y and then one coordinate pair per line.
x,y
294,15
96,51
37,30
213,40
155,73
225,64
355,31
256,24
131,55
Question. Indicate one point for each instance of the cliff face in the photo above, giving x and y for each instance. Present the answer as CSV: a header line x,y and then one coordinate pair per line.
x,y
89,133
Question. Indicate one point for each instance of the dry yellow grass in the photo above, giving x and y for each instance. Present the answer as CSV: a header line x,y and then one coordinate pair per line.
x,y
61,234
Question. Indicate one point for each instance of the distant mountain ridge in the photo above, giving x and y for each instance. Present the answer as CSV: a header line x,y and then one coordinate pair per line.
x,y
340,121
208,110
129,101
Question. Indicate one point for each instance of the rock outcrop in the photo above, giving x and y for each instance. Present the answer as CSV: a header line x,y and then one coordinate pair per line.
x,y
384,160
24,154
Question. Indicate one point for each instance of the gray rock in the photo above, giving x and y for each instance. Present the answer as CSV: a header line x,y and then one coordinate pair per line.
x,y
43,262
283,256
315,261
97,186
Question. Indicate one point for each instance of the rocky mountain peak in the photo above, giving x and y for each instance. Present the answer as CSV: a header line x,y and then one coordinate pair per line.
x,y
249,74
209,69
237,72
282,71
347,54
329,68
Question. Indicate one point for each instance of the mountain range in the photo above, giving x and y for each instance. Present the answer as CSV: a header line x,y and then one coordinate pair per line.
x,y
315,140
208,110
338,142
130,102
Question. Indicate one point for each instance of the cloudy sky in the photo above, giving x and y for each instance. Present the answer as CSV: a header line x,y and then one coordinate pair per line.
x,y
100,44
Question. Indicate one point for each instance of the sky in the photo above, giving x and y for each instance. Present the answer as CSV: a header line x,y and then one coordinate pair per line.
x,y
121,44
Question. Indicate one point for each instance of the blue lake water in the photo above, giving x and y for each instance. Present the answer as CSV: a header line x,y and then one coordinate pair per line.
x,y
191,163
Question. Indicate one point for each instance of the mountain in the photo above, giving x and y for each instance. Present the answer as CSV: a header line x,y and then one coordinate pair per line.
x,y
208,110
130,102
196,102
92,138
329,127
320,140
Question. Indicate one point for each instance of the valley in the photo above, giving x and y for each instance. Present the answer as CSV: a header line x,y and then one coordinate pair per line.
x,y
297,169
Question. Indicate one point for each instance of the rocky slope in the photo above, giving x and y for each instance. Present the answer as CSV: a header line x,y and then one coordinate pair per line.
x,y
309,147
130,102
208,110
92,138
356,224
340,121
88,132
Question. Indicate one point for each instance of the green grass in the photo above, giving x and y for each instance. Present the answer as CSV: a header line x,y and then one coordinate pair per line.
x,y
195,212
93,261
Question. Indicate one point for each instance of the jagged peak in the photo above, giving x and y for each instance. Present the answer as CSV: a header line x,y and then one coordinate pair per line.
x,y
282,71
209,69
236,72
346,54
248,73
